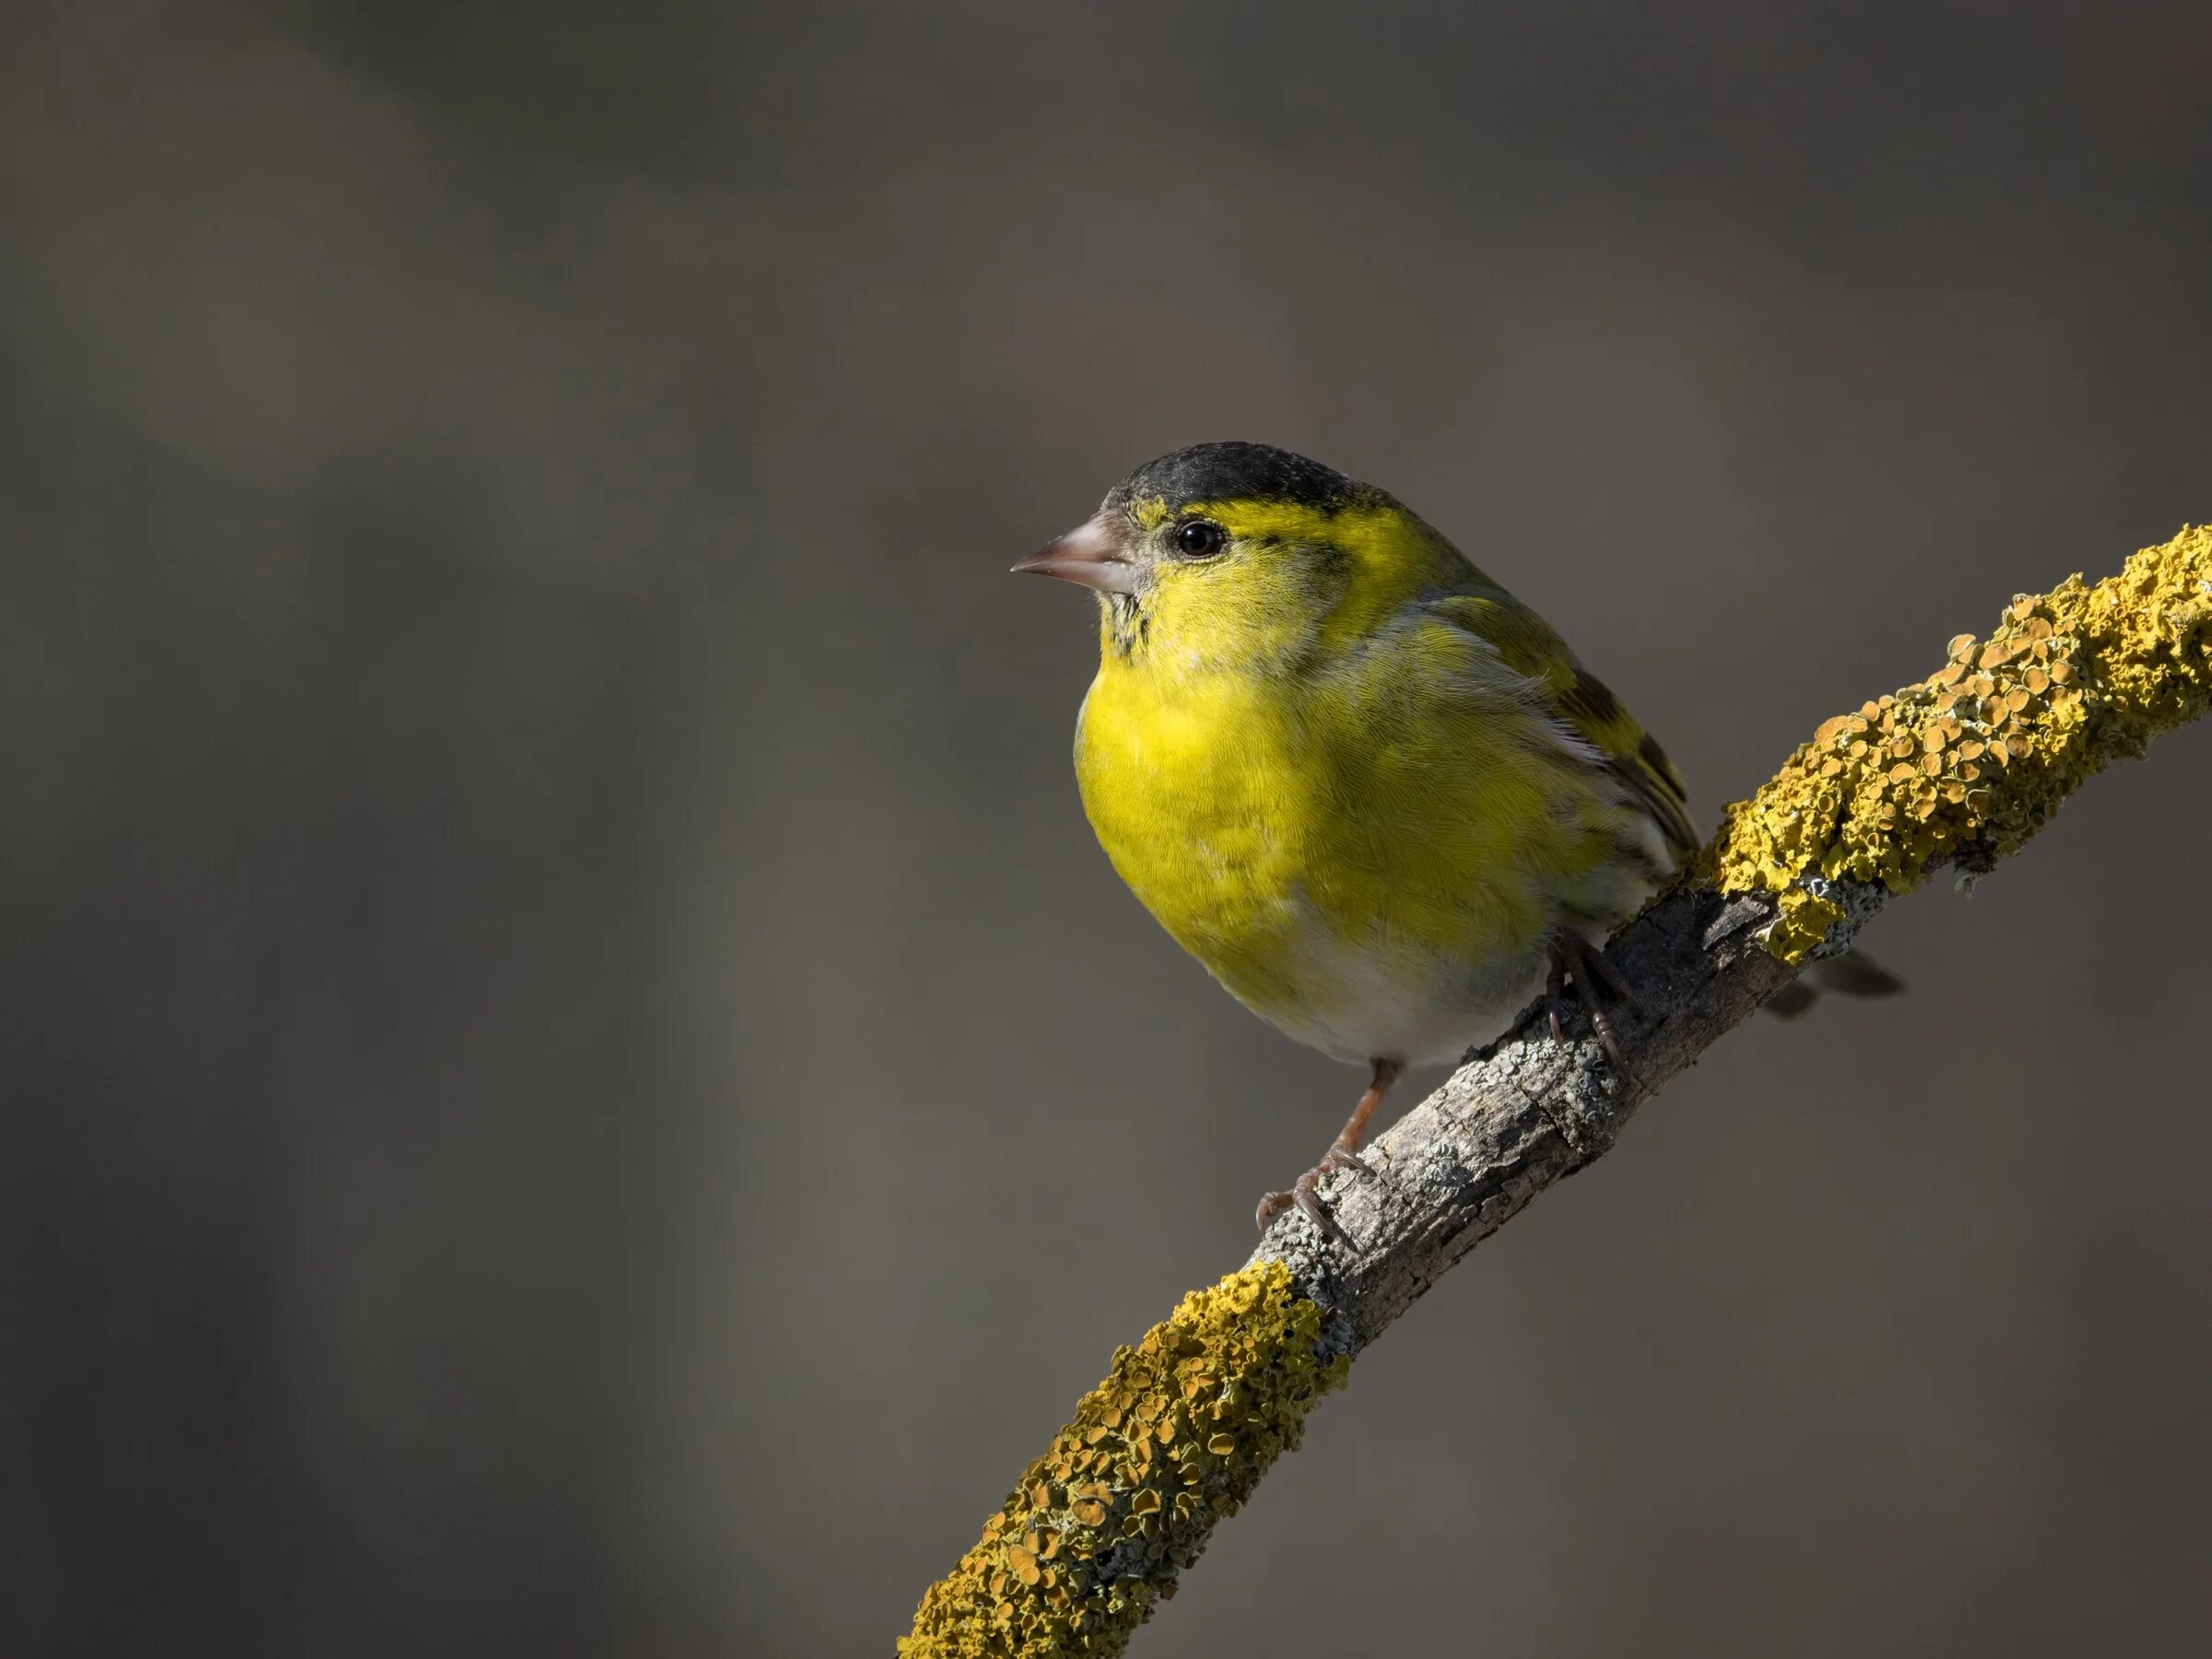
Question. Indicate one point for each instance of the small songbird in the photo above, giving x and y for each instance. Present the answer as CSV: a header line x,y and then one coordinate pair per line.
x,y
1370,790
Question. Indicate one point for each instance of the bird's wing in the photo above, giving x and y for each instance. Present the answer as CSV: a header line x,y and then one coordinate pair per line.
x,y
1579,702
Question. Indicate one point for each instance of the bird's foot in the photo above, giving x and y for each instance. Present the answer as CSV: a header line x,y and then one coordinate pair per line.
x,y
1341,1156
1573,955
1305,1194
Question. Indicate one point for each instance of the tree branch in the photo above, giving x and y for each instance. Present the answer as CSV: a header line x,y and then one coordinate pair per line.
x,y
1955,771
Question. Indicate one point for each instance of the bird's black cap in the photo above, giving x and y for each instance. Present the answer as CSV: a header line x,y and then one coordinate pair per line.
x,y
1238,472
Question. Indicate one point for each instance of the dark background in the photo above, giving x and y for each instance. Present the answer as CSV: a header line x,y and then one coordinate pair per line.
x,y
574,1081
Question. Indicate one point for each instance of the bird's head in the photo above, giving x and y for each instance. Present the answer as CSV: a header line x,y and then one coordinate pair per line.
x,y
1239,555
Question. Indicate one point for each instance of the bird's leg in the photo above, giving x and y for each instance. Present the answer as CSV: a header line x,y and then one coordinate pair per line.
x,y
1573,955
1343,1154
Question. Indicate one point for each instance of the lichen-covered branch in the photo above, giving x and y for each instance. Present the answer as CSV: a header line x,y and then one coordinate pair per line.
x,y
1957,771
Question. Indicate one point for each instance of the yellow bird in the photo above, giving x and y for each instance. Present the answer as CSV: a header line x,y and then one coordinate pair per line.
x,y
1369,789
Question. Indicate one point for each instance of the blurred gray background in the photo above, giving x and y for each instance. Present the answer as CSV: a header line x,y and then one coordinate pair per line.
x,y
574,1083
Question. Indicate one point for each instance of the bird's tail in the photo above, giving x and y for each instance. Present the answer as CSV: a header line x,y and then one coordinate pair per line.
x,y
1854,973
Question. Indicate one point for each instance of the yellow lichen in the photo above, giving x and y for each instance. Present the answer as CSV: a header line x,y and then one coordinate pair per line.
x,y
1175,1438
1973,760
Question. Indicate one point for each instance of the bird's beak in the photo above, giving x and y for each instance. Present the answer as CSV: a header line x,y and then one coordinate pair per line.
x,y
1090,554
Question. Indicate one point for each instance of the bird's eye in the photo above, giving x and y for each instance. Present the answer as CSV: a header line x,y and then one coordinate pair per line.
x,y
1201,538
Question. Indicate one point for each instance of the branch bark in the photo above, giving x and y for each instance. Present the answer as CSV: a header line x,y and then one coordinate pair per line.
x,y
1953,772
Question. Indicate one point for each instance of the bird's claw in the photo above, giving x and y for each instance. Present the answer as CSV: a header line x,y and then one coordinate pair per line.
x,y
1305,1194
1572,954
1340,1159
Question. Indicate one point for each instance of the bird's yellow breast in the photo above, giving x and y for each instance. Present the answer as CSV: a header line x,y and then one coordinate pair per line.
x,y
1196,796
1372,839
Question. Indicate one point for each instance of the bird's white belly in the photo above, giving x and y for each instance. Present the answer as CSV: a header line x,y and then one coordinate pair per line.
x,y
1384,998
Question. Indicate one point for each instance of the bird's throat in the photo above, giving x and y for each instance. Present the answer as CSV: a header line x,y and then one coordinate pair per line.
x,y
1122,625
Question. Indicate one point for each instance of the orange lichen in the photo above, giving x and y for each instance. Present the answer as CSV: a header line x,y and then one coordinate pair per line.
x,y
1175,1438
1970,762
